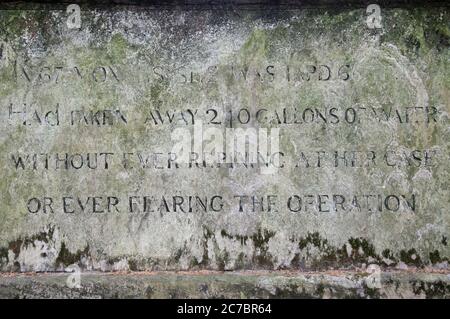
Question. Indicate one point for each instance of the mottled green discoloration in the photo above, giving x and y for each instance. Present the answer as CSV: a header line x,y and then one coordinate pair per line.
x,y
147,57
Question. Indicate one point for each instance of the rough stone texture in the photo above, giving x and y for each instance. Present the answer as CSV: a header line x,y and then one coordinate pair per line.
x,y
232,285
146,53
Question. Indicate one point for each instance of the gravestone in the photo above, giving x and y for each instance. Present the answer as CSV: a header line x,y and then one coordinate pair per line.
x,y
239,138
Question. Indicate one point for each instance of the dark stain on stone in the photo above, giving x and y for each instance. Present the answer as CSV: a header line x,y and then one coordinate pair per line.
x,y
132,264
437,38
367,248
435,257
437,289
411,257
203,288
388,254
240,262
207,235
222,259
311,238
362,252
149,292
320,290
242,239
194,264
4,253
16,245
413,44
176,257
65,257
261,257
16,267
298,263
372,293
177,294
332,257
295,262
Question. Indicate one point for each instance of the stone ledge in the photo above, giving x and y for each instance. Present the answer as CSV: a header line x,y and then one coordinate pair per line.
x,y
230,4
248,284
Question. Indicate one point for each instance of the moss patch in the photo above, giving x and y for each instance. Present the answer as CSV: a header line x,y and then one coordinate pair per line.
x,y
66,258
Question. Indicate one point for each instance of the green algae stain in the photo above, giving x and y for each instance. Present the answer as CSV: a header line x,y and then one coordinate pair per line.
x,y
66,258
117,49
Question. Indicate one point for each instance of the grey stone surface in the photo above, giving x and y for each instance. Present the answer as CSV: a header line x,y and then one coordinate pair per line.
x,y
381,95
228,285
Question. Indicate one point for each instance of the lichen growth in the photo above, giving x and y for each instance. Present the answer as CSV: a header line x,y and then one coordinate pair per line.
x,y
66,258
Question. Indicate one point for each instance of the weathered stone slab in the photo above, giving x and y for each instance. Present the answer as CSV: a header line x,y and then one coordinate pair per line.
x,y
240,285
88,118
